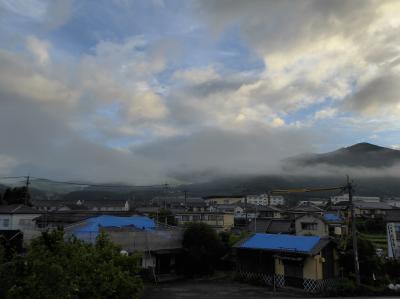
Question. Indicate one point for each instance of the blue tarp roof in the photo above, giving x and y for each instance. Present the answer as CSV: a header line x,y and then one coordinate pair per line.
x,y
93,224
332,217
281,242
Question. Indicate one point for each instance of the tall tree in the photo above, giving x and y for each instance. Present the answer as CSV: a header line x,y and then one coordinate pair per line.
x,y
203,249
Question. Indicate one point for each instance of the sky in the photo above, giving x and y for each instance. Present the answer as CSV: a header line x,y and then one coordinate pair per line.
x,y
155,91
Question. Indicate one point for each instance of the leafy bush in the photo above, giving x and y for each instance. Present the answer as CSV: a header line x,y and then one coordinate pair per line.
x,y
202,248
54,268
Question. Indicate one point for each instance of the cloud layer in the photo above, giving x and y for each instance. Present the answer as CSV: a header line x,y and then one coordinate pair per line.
x,y
137,93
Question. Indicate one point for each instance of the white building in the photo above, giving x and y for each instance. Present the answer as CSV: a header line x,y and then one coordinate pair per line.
x,y
105,204
345,197
266,200
393,202
20,217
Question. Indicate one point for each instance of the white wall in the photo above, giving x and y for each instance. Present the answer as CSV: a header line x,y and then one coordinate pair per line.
x,y
22,222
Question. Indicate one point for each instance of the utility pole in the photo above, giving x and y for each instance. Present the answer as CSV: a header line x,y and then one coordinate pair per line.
x,y
185,194
349,188
27,183
245,206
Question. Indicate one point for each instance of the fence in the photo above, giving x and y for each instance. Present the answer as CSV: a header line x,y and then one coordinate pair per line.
x,y
281,281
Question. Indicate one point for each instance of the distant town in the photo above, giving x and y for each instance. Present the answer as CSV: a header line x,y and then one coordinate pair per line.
x,y
312,245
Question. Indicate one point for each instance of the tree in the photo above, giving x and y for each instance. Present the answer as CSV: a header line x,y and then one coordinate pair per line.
x,y
165,216
18,195
203,249
370,263
54,268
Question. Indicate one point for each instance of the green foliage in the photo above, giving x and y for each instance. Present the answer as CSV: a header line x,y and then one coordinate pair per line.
x,y
203,249
371,226
17,195
164,216
370,263
54,268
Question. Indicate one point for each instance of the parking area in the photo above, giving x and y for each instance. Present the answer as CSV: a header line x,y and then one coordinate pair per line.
x,y
208,290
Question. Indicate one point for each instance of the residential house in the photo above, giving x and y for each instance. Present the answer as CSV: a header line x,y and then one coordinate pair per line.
x,y
345,197
280,226
392,219
48,205
219,221
224,199
20,217
371,209
160,246
317,225
306,262
271,226
269,212
104,204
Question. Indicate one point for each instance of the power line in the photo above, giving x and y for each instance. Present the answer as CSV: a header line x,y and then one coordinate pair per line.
x,y
51,181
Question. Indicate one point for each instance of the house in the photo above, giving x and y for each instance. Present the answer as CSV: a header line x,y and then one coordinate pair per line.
x,y
317,225
20,217
160,247
104,204
280,226
392,219
305,262
223,199
371,209
318,203
217,220
302,209
271,226
394,202
48,205
266,199
345,197
269,212
236,209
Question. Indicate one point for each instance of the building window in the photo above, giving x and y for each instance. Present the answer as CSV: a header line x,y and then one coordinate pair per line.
x,y
185,217
308,226
6,222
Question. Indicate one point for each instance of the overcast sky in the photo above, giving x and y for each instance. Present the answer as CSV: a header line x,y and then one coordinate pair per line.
x,y
149,91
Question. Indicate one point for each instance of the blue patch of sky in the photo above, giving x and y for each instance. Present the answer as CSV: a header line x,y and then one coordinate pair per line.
x,y
233,52
93,21
309,111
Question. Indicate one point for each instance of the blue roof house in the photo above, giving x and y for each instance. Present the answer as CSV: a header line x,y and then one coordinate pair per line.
x,y
305,262
89,229
160,246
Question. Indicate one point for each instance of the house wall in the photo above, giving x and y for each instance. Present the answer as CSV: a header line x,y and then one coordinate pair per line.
x,y
216,220
148,260
224,200
313,267
321,230
279,267
22,222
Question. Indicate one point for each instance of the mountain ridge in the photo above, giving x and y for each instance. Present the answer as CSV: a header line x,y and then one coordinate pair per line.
x,y
360,155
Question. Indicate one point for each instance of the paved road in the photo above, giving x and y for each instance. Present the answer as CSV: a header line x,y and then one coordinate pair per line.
x,y
213,290
208,290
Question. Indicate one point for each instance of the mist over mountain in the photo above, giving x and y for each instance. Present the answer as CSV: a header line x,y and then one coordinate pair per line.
x,y
373,168
360,155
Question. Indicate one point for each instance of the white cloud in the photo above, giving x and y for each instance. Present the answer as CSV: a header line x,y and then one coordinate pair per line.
x,y
325,113
39,48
